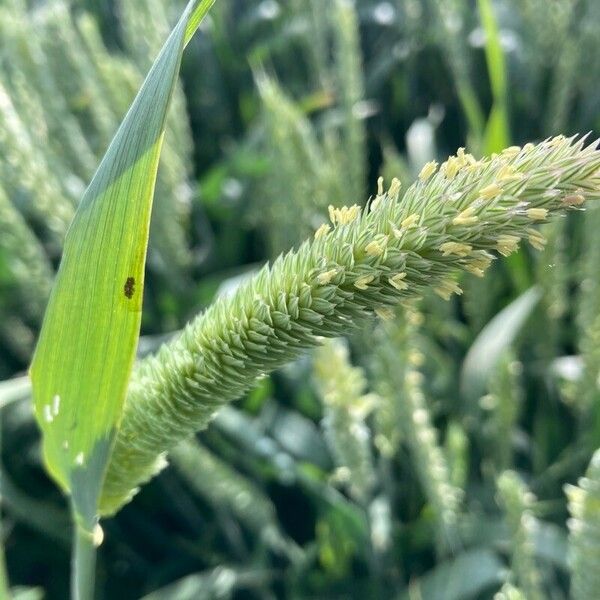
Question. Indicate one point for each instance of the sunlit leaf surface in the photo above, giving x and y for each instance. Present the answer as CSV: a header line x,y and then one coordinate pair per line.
x,y
87,344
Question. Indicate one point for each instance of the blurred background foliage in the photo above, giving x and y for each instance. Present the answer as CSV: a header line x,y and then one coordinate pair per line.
x,y
444,455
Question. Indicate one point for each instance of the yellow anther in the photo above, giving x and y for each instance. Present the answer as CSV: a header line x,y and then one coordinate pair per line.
x,y
375,248
428,170
446,288
396,232
556,141
394,190
511,152
344,215
398,282
508,173
362,282
536,239
475,166
464,158
466,217
410,221
507,244
326,277
332,213
537,214
322,231
97,536
478,264
474,270
385,313
456,248
490,191
451,167
415,318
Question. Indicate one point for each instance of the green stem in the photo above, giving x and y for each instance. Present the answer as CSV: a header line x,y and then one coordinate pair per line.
x,y
83,564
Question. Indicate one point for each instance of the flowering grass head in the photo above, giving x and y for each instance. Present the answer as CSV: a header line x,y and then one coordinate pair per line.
x,y
459,216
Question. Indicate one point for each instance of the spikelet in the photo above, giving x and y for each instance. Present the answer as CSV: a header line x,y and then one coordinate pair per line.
x,y
341,387
584,537
517,502
284,309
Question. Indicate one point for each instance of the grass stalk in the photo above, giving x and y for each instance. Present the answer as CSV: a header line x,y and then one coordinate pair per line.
x,y
83,564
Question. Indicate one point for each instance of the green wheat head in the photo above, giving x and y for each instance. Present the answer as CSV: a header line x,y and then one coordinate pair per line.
x,y
517,502
403,387
346,406
584,539
453,218
503,406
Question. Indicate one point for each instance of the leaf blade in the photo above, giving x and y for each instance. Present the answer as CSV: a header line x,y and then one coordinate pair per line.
x,y
80,369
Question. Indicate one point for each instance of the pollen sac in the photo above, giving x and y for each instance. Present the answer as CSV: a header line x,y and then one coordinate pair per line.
x,y
466,217
507,244
428,170
456,249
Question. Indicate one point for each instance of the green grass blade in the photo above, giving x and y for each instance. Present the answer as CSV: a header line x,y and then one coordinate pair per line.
x,y
87,345
497,131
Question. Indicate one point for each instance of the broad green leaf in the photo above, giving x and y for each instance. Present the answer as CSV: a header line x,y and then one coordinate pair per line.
x,y
87,344
493,341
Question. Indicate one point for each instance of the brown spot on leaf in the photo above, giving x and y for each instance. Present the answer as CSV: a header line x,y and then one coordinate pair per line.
x,y
129,287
